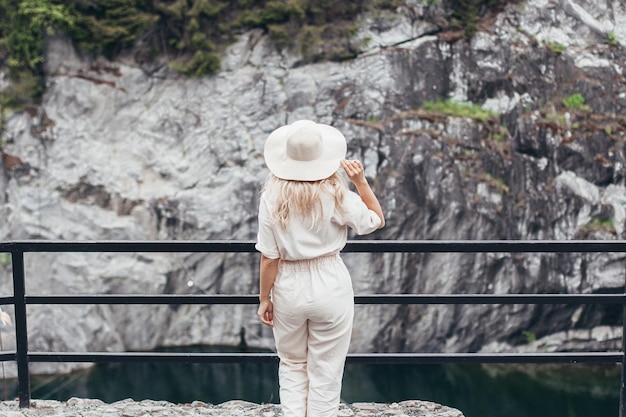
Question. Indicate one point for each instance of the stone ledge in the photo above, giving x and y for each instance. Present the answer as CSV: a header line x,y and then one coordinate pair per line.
x,y
77,407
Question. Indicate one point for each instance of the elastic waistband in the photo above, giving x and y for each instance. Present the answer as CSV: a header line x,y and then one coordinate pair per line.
x,y
308,264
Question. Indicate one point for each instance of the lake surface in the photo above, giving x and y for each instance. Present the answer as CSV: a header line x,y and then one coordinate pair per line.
x,y
476,390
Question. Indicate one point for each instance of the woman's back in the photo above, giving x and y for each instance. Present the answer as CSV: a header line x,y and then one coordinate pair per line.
x,y
319,231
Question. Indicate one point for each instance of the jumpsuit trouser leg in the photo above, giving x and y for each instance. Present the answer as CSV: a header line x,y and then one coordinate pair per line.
x,y
313,316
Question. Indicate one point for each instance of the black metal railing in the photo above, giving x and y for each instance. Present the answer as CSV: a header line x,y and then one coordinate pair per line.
x,y
20,300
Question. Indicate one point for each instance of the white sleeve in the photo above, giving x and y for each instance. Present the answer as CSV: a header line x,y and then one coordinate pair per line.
x,y
355,214
266,242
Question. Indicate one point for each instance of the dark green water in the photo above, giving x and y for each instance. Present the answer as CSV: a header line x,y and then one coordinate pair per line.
x,y
478,391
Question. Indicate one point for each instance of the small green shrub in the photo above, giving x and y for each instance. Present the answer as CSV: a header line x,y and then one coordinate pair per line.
x,y
575,102
602,223
279,35
458,109
557,117
392,4
280,12
24,26
25,87
529,336
555,47
497,183
202,63
598,224
310,40
465,16
109,27
611,39
501,134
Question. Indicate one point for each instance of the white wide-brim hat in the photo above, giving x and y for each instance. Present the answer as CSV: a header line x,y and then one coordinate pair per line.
x,y
304,151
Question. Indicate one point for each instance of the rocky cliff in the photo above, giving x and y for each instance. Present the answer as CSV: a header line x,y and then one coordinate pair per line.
x,y
121,151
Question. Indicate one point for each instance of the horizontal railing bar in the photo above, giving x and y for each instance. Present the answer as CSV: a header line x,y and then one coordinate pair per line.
x,y
8,355
377,246
175,299
7,300
371,358
556,357
151,357
495,246
128,246
491,299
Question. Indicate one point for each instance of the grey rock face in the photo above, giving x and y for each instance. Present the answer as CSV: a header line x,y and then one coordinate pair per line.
x,y
115,152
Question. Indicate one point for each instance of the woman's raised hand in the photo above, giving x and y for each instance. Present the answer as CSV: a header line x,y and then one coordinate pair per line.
x,y
356,174
354,170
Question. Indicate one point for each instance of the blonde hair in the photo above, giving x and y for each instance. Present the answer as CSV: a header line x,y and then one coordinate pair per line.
x,y
302,198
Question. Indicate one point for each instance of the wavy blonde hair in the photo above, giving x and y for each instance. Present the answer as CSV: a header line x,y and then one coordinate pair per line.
x,y
302,198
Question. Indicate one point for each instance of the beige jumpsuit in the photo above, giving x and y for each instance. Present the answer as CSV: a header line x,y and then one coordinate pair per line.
x,y
313,302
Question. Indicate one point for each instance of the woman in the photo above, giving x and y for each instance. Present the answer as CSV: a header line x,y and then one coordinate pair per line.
x,y
305,289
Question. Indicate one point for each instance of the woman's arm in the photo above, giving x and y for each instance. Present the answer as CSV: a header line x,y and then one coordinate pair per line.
x,y
356,174
268,271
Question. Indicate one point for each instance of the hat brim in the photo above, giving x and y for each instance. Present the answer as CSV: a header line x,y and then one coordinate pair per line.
x,y
334,150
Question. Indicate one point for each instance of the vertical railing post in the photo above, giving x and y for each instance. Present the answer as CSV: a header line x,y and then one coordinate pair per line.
x,y
21,330
622,386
